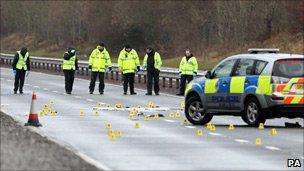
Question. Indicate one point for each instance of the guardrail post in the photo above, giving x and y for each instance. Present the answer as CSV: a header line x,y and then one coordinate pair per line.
x,y
145,79
177,83
164,81
139,78
112,75
106,75
87,71
170,82
117,75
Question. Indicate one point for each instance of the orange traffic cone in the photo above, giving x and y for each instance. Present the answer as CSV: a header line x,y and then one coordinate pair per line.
x,y
33,117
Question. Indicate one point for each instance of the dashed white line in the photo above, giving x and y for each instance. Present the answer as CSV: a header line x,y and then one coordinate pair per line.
x,y
9,80
27,84
55,91
77,97
90,100
46,89
215,134
36,87
272,148
192,127
241,140
167,120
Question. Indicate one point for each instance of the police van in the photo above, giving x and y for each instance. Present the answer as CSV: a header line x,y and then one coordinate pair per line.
x,y
260,85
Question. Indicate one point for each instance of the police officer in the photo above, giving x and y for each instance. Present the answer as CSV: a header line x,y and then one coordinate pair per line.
x,y
70,65
99,61
21,67
152,62
128,63
187,69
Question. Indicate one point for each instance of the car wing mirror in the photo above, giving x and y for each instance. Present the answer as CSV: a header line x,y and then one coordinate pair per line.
x,y
208,74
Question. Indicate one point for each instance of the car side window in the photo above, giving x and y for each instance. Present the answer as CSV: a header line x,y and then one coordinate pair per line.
x,y
259,67
224,69
244,67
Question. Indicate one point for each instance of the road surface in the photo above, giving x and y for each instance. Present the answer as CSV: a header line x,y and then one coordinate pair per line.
x,y
157,144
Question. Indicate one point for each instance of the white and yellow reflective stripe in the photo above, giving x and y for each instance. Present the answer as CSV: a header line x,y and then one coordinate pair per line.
x,y
211,86
296,99
237,84
264,85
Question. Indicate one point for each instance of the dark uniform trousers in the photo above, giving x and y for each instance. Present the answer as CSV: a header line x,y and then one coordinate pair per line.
x,y
69,80
19,80
128,79
93,80
153,78
185,79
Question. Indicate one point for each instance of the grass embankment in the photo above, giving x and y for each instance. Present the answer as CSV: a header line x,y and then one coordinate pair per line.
x,y
287,43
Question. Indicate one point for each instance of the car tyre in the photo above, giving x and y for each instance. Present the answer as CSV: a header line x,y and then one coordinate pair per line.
x,y
195,112
253,115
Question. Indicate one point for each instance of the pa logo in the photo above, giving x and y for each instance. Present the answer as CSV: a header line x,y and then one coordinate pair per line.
x,y
293,163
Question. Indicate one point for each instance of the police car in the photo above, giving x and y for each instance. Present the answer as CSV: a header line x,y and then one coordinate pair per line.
x,y
260,85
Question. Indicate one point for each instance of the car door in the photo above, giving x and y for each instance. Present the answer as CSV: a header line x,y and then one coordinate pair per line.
x,y
241,80
217,87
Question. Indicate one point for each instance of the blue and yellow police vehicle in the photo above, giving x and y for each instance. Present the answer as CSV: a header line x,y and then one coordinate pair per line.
x,y
259,85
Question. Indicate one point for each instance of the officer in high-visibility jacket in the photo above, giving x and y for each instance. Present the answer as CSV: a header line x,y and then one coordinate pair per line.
x,y
21,67
70,65
128,63
187,70
152,62
99,62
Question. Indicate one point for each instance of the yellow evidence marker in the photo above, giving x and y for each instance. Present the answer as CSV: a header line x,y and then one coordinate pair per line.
x,y
209,125
118,133
136,125
81,113
112,137
231,127
258,141
199,132
261,126
177,115
156,116
108,125
96,113
147,118
273,131
213,128
171,115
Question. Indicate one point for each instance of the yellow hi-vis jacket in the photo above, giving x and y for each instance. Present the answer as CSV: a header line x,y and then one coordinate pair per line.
x,y
128,61
188,67
69,64
157,61
100,60
22,61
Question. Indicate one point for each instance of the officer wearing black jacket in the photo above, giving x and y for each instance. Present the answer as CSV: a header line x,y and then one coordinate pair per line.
x,y
21,67
70,65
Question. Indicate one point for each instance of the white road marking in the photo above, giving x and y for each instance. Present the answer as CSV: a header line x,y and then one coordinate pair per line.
x,y
36,87
241,140
55,91
302,157
46,89
77,97
192,127
27,84
167,120
90,100
215,134
9,80
272,148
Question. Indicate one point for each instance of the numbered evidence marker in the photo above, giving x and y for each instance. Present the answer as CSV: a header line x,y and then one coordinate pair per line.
x,y
147,118
231,127
177,115
209,125
136,125
212,128
171,115
261,126
118,133
258,141
112,137
199,132
273,131
96,113
108,125
156,116
81,113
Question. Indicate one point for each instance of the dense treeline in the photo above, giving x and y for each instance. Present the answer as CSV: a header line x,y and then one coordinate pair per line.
x,y
170,26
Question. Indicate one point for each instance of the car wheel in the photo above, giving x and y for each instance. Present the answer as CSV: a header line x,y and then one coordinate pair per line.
x,y
253,115
195,112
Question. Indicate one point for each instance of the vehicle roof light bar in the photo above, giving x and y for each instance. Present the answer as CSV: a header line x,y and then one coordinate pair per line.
x,y
260,50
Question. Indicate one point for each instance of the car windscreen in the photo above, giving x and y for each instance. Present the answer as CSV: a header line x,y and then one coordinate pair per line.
x,y
288,68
